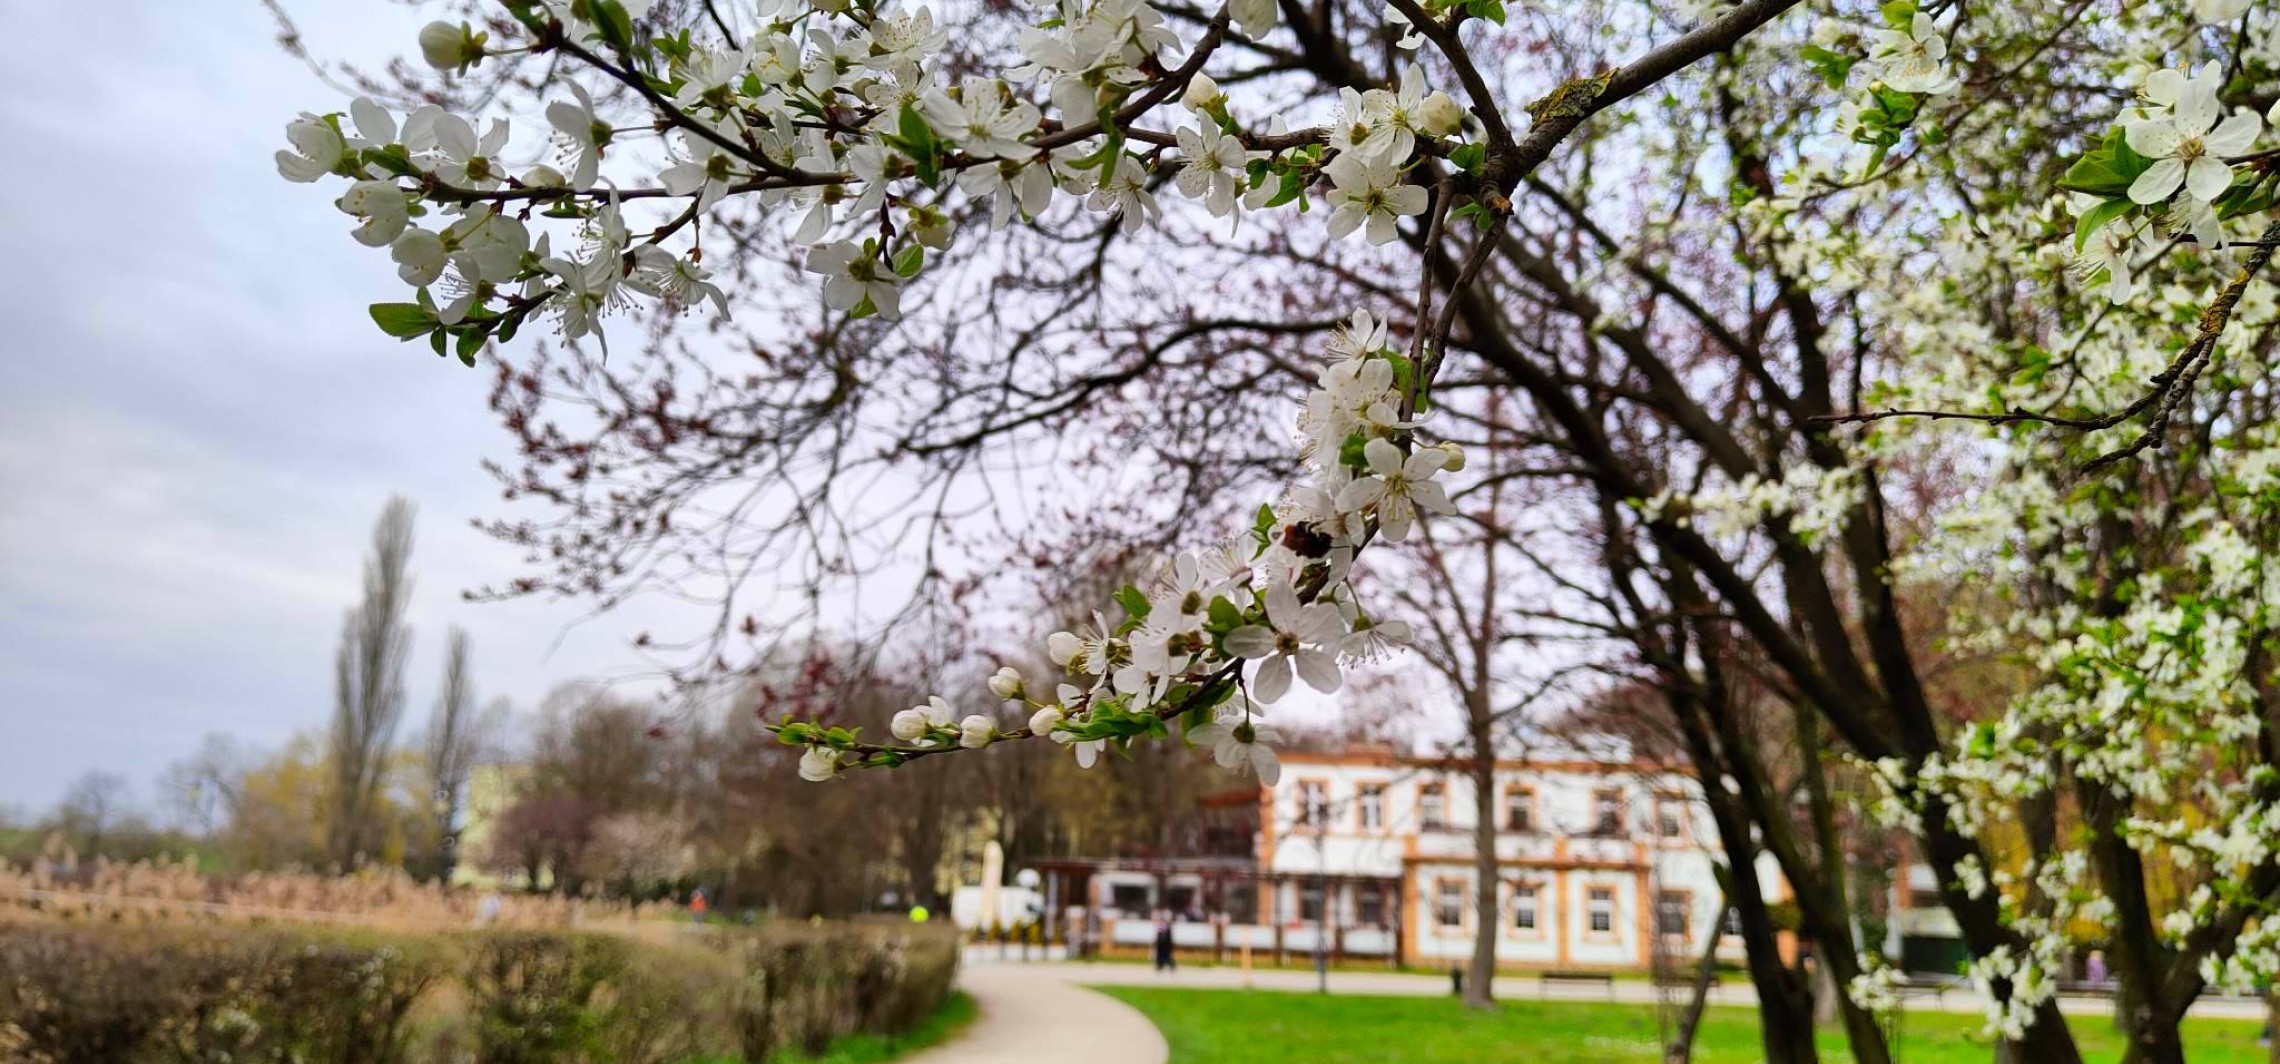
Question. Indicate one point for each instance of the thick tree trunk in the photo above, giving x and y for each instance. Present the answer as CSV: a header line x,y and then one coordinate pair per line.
x,y
1785,1003
2048,1040
1487,875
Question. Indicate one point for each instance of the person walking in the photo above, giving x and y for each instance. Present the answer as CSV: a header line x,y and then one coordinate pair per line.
x,y
1164,962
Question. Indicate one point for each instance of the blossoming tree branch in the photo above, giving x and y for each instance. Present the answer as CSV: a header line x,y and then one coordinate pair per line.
x,y
1731,256
843,114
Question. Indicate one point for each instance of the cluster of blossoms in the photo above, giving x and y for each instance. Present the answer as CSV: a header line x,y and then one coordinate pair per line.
x,y
2177,165
1220,632
2142,620
839,117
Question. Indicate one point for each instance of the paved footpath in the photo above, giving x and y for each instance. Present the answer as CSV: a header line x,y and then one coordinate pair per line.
x,y
1038,1014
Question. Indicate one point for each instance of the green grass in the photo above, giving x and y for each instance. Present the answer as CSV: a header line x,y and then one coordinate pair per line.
x,y
956,1012
1255,1027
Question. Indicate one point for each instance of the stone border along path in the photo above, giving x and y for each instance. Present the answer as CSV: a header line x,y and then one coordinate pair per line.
x,y
1037,1014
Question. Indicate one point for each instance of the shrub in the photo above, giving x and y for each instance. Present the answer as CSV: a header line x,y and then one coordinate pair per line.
x,y
669,1004
327,999
196,994
69,995
807,985
532,994
175,993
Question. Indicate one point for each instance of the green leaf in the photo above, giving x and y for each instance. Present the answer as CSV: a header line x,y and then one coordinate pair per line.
x,y
916,139
2107,170
1899,14
1834,69
1293,186
1223,616
1403,369
1352,453
863,310
2096,218
404,321
615,22
471,342
1469,157
1134,601
910,260
1263,526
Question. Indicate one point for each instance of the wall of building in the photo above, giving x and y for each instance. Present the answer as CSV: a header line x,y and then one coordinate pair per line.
x,y
1566,828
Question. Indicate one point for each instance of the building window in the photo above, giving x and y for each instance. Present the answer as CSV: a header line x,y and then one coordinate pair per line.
x,y
1313,804
1310,902
1674,914
1449,902
1369,901
1526,900
1432,807
1607,812
1520,809
1242,903
1670,817
1129,897
1371,802
1601,909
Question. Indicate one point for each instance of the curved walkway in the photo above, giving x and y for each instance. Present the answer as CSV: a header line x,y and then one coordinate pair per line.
x,y
1033,1014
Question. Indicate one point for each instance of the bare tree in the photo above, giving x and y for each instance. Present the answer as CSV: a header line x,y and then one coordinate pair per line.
x,y
368,700
201,792
91,808
1462,634
455,739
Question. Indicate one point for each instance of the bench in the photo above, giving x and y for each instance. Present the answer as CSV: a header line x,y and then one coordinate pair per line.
x,y
1935,987
2085,988
1544,980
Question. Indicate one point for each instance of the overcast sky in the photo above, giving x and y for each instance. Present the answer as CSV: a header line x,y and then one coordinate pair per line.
x,y
198,423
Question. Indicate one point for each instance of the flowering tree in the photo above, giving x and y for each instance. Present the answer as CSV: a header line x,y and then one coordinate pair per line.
x,y
1781,228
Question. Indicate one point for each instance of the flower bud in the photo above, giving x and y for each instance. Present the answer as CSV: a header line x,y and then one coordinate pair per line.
x,y
449,47
543,176
1063,647
1042,722
1440,116
1455,459
909,725
1201,94
1007,683
819,764
975,732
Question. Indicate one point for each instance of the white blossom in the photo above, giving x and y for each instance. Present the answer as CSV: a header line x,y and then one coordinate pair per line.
x,y
1296,637
1401,486
1369,195
819,763
1240,744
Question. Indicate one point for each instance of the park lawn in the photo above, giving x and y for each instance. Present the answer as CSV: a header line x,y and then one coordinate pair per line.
x,y
951,1017
1257,1027
947,1020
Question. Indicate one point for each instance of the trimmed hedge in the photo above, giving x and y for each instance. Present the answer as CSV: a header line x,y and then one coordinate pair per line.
x,y
111,994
